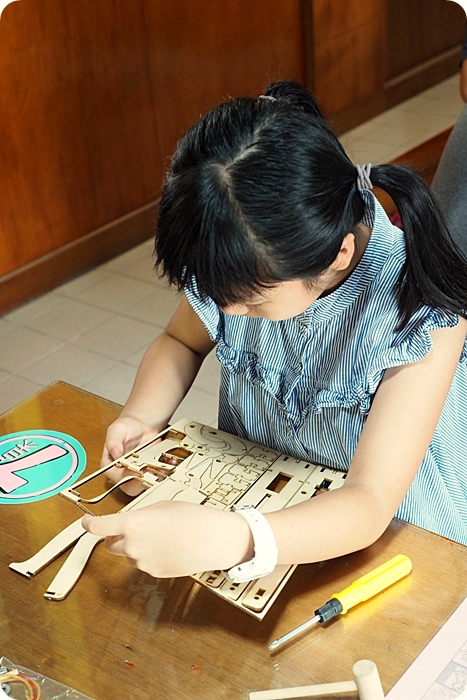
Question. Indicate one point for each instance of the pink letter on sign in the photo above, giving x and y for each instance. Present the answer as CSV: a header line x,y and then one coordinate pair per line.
x,y
9,480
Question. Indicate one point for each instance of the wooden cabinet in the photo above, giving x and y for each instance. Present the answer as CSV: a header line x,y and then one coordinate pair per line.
x,y
348,43
421,32
93,96
365,57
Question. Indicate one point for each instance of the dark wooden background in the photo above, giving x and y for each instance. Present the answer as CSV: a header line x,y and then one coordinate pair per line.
x,y
93,96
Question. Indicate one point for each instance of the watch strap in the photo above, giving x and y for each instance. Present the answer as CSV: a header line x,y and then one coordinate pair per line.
x,y
265,557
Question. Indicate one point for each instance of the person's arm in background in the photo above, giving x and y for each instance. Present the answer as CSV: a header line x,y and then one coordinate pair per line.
x,y
449,180
463,67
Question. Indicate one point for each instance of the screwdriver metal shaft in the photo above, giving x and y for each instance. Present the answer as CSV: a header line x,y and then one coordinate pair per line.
x,y
294,633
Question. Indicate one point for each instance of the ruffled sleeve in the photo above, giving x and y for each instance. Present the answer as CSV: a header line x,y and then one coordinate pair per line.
x,y
412,344
207,311
354,384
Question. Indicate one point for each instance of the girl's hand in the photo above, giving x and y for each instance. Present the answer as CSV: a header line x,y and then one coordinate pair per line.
x,y
174,538
123,435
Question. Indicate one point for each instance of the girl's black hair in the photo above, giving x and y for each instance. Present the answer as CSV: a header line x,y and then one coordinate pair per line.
x,y
261,191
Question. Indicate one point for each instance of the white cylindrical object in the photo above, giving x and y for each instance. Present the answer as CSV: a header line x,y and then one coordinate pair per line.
x,y
367,680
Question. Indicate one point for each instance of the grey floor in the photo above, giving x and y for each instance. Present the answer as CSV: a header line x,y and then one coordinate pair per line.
x,y
92,332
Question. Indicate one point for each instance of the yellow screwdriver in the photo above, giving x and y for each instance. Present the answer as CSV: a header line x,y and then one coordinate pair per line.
x,y
362,589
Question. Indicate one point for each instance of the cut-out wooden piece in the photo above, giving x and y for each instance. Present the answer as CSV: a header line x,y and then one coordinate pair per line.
x,y
56,546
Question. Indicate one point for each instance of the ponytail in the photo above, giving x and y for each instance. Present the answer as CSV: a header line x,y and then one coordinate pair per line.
x,y
435,271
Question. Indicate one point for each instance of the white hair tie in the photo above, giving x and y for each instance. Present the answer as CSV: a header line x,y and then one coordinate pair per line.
x,y
267,97
363,177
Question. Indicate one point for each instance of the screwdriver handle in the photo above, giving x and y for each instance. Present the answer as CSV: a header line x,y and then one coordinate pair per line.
x,y
377,580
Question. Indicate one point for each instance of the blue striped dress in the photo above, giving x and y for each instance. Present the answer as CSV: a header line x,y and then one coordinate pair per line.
x,y
304,386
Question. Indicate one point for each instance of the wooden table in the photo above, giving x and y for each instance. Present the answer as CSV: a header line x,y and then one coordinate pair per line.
x,y
122,634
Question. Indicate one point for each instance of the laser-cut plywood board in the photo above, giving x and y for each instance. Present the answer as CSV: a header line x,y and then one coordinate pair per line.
x,y
194,462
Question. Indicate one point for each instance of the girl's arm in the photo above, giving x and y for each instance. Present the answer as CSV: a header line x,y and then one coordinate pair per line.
x,y
176,539
396,436
165,374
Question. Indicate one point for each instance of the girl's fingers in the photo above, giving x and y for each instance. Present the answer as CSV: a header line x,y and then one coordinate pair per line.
x,y
115,545
112,527
105,525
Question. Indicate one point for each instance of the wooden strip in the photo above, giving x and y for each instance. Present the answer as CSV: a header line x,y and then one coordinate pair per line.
x,y
304,691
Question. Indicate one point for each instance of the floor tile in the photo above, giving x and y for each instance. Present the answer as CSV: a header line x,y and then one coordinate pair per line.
x,y
4,375
398,136
156,308
33,309
23,347
142,270
135,358
408,124
5,326
449,110
113,384
364,150
116,382
116,293
359,132
448,88
84,281
70,364
426,124
68,319
141,252
119,337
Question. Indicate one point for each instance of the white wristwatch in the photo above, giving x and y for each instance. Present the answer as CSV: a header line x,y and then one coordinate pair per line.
x,y
265,559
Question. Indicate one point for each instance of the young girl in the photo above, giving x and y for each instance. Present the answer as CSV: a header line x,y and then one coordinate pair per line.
x,y
341,340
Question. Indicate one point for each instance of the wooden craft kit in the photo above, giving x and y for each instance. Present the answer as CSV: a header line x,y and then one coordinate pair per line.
x,y
193,462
